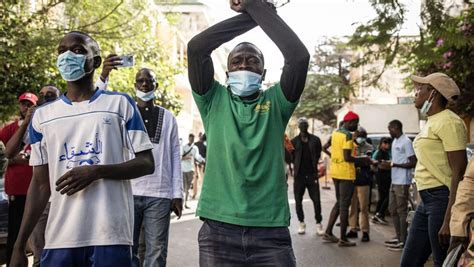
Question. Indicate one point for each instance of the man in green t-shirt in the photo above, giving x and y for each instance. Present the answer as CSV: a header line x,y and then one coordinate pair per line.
x,y
244,202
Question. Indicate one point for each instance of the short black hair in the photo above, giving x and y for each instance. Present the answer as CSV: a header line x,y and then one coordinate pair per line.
x,y
398,124
95,47
249,44
191,135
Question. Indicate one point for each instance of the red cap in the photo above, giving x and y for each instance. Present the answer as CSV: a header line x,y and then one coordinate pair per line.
x,y
29,97
351,116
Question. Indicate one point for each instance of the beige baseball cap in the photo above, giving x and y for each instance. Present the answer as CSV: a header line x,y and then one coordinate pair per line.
x,y
441,82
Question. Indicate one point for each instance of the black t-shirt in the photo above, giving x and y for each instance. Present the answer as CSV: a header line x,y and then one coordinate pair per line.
x,y
202,148
306,167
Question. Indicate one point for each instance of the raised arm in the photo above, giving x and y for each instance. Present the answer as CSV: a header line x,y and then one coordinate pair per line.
x,y
200,66
296,55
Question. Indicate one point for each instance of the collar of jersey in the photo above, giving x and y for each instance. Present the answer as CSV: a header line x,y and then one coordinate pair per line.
x,y
96,94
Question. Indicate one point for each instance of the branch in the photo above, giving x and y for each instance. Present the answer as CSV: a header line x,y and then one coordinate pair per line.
x,y
104,17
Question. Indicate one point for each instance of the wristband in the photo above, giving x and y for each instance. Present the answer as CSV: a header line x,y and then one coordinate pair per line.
x,y
391,164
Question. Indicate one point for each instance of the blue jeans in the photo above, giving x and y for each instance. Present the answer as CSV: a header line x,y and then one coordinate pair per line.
x,y
223,244
154,213
95,256
423,236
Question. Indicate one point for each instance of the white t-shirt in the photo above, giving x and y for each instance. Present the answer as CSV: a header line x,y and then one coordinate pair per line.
x,y
103,130
402,149
187,165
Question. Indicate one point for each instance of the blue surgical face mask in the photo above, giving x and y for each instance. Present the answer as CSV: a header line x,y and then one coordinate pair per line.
x,y
360,140
146,96
71,66
427,105
244,83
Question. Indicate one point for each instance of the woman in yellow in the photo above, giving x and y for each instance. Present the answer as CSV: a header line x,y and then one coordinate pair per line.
x,y
441,152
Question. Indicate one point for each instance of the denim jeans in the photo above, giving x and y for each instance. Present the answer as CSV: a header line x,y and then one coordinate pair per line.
x,y
94,256
154,213
423,235
223,244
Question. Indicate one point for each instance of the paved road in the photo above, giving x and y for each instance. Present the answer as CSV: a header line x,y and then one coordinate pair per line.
x,y
309,248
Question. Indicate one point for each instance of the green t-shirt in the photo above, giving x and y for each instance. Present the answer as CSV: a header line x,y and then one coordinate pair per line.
x,y
245,182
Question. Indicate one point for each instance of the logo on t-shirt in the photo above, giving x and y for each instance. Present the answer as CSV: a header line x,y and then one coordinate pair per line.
x,y
86,155
107,120
264,107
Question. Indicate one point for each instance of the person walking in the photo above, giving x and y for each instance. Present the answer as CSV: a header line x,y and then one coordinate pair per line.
x,y
189,155
158,194
305,158
84,168
244,200
440,148
343,173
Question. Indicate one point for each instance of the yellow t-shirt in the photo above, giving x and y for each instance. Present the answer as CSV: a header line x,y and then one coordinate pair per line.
x,y
340,169
443,132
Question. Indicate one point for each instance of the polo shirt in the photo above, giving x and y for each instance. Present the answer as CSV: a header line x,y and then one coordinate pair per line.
x,y
106,129
402,149
341,140
444,132
244,182
17,176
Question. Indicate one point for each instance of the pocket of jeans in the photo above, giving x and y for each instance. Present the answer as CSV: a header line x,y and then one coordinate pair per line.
x,y
440,194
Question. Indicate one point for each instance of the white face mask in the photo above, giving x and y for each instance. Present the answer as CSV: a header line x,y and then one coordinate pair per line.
x,y
427,105
146,96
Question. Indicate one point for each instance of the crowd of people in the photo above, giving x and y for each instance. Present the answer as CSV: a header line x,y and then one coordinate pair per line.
x,y
94,175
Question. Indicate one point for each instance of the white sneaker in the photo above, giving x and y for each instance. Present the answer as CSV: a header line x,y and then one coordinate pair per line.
x,y
319,229
302,228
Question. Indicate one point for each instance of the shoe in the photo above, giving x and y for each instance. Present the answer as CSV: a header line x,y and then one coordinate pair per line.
x,y
365,237
396,247
346,243
186,206
330,238
392,241
302,228
351,234
319,229
379,219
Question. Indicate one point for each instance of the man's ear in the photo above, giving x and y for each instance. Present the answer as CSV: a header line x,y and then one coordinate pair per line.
x,y
263,74
97,62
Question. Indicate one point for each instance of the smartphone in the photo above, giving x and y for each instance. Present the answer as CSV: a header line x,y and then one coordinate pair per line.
x,y
127,61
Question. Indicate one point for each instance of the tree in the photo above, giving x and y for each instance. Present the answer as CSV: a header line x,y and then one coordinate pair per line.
x,y
445,44
29,40
328,86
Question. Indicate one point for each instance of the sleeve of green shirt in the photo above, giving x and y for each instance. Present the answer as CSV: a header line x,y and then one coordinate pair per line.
x,y
286,106
453,134
204,102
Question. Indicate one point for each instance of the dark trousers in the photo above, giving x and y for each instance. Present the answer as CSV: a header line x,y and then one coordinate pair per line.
x,y
344,190
383,187
223,244
16,207
423,236
310,182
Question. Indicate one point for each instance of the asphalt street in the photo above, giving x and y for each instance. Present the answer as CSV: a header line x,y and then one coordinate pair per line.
x,y
310,250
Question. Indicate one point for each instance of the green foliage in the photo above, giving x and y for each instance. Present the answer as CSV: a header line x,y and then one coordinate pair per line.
x,y
328,85
445,44
29,40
